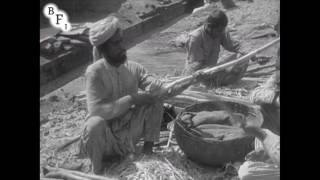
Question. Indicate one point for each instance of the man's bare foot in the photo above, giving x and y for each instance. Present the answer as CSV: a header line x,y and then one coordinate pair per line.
x,y
131,156
147,148
128,157
109,160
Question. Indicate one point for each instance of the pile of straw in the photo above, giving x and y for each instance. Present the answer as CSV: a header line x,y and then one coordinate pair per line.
x,y
166,164
241,93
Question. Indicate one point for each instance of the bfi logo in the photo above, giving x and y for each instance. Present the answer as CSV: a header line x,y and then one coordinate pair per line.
x,y
58,18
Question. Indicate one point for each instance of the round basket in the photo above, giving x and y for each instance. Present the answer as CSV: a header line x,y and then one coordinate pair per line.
x,y
215,152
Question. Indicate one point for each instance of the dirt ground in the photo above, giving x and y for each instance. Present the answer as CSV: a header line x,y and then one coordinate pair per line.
x,y
62,115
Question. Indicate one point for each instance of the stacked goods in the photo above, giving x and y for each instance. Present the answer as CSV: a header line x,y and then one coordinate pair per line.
x,y
65,41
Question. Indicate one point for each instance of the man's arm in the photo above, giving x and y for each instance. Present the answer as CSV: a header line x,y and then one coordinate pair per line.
x,y
195,54
153,86
145,79
98,104
230,44
235,46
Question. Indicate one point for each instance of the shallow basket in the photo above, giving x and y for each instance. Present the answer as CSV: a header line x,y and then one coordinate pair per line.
x,y
214,152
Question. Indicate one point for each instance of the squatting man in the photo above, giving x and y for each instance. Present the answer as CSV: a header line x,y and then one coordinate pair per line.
x,y
119,114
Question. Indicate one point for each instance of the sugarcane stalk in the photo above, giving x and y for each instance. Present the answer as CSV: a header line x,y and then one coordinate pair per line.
x,y
64,175
59,172
50,178
68,143
179,176
241,59
89,176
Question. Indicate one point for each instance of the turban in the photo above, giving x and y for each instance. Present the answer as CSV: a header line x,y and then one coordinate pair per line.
x,y
102,30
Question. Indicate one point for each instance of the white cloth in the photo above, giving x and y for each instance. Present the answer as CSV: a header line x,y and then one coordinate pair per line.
x,y
250,170
266,92
102,30
257,168
271,144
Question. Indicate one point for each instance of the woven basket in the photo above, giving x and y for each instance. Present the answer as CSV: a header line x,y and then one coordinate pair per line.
x,y
214,152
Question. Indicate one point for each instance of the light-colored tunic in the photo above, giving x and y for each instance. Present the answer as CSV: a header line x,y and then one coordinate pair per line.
x,y
108,83
251,170
100,136
203,50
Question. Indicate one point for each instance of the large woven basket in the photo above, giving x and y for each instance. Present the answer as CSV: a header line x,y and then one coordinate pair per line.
x,y
214,152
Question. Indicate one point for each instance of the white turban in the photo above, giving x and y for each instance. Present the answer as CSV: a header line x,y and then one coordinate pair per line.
x,y
102,30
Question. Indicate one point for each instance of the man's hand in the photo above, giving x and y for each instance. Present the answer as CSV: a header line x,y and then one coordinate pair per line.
x,y
200,75
143,98
252,130
155,86
157,89
261,60
242,53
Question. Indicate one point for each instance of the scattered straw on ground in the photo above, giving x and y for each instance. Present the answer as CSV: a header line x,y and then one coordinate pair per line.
x,y
166,163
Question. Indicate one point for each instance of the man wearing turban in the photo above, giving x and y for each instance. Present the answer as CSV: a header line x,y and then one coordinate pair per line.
x,y
118,114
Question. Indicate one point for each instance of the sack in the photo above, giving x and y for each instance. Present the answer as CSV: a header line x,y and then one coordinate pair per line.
x,y
210,117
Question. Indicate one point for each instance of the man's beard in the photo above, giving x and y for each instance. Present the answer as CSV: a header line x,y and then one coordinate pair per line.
x,y
116,61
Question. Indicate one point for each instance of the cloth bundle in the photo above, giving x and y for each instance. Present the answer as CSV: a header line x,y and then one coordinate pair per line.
x,y
220,125
211,117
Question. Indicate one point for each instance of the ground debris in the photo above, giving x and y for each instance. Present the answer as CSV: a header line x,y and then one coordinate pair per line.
x,y
168,163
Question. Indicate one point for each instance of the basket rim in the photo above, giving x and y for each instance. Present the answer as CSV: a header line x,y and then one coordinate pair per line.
x,y
254,107
199,139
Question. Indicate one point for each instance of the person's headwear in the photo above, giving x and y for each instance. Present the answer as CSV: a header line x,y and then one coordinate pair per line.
x,y
102,30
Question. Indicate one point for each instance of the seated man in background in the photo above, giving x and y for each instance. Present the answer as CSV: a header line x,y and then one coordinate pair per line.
x,y
118,114
203,44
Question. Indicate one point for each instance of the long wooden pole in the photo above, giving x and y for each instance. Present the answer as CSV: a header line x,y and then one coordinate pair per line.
x,y
184,82
241,59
